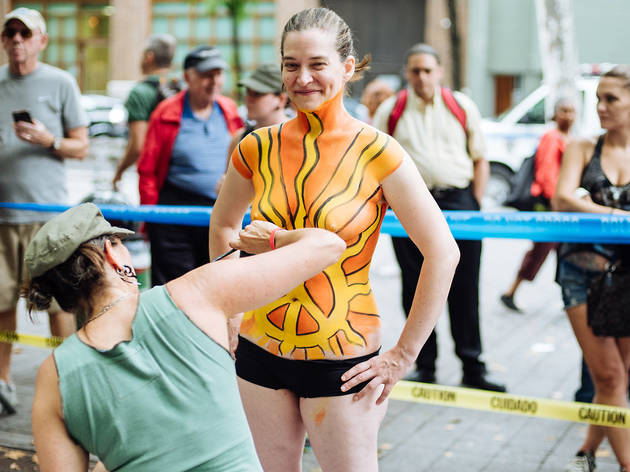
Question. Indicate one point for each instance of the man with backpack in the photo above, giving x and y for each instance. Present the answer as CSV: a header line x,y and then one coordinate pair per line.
x,y
155,64
440,129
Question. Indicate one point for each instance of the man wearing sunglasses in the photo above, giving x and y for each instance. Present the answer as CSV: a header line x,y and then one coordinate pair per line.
x,y
41,124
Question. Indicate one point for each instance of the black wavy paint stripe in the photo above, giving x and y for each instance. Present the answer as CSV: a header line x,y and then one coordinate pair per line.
x,y
355,332
364,284
366,314
243,160
361,183
334,301
317,157
283,183
334,336
280,341
283,318
273,180
311,347
365,202
262,175
356,136
356,165
295,183
358,270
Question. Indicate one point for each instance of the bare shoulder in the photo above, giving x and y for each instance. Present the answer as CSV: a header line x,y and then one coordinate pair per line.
x,y
585,142
198,292
581,147
47,397
268,130
372,132
48,371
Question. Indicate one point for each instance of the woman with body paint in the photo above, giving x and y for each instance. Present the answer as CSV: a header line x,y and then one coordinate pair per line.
x,y
310,361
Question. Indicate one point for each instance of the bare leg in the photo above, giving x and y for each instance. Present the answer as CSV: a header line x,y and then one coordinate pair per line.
x,y
594,437
608,360
275,422
343,432
8,322
514,286
62,323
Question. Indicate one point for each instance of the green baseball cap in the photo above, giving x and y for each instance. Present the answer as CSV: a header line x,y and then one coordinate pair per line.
x,y
267,78
57,240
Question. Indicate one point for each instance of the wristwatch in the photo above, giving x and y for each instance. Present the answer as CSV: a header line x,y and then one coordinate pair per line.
x,y
56,145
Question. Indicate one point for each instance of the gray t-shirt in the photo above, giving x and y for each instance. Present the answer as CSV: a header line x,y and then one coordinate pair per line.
x,y
31,173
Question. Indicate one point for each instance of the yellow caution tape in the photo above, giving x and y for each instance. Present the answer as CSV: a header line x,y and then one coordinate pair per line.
x,y
513,404
458,397
29,339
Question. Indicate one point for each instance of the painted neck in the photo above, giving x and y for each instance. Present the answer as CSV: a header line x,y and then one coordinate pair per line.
x,y
332,113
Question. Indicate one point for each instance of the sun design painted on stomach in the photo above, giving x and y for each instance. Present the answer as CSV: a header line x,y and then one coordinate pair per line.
x,y
322,169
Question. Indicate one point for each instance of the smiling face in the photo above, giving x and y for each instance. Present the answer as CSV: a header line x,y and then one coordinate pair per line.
x,y
312,70
613,103
22,46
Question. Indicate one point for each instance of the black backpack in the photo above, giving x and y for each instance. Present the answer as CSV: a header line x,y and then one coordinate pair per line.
x,y
520,196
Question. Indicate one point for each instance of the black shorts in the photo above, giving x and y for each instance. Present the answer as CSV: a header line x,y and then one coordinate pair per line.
x,y
307,379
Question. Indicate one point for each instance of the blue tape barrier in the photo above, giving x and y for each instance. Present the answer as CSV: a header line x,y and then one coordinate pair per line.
x,y
535,226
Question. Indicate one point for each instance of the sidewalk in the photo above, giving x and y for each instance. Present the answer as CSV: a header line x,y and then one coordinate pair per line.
x,y
535,353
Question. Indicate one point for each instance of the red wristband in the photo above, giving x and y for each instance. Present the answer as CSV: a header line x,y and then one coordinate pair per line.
x,y
272,238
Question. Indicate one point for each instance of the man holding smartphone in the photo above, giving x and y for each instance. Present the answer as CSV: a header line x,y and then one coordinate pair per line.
x,y
41,124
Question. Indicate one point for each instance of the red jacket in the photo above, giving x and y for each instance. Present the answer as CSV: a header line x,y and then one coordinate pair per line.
x,y
163,128
547,163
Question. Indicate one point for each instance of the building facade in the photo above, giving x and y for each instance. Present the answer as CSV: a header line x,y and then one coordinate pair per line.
x,y
503,49
100,41
489,48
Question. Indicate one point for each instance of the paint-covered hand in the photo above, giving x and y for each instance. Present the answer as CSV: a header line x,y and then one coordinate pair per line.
x,y
385,369
255,238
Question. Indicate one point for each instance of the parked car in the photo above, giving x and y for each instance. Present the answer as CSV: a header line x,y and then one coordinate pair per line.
x,y
108,116
515,134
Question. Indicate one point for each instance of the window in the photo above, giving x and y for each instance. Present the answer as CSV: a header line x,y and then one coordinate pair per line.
x,y
535,115
77,39
194,25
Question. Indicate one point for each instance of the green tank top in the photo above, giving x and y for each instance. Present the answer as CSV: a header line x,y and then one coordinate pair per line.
x,y
166,400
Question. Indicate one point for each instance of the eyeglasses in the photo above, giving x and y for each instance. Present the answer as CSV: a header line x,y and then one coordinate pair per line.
x,y
11,32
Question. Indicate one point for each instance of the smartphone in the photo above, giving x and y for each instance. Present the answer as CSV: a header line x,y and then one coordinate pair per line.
x,y
22,115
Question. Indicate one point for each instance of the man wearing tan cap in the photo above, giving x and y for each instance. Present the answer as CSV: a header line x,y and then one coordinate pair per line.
x,y
41,124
